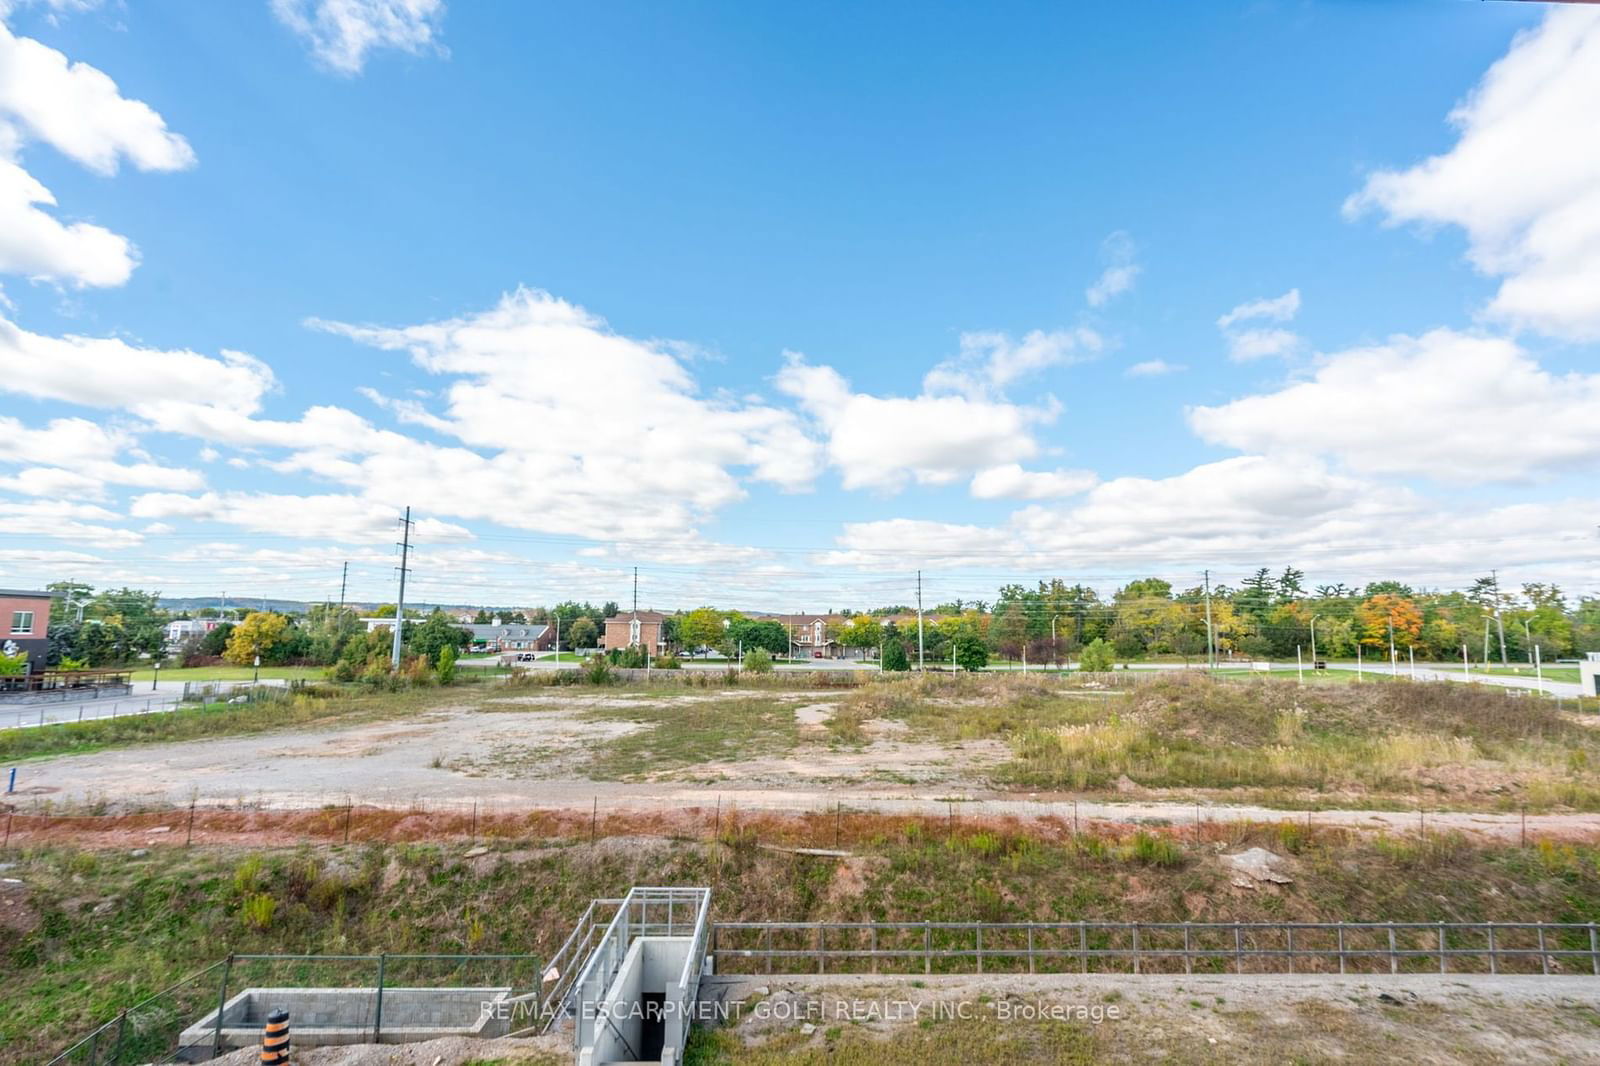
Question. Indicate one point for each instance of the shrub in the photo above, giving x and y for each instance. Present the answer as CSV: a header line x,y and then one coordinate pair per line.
x,y
1097,656
971,655
258,910
894,657
447,664
666,662
598,671
758,661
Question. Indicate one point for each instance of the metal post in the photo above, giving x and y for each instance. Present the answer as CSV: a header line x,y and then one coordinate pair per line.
x,y
1290,932
222,1001
980,949
1238,949
820,963
1544,960
1494,960
1441,947
122,1030
377,1010
1031,961
1394,963
767,938
1341,946
873,941
1135,947
927,948
1083,947
1188,959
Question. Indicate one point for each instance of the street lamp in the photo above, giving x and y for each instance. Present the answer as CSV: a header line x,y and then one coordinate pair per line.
x,y
157,668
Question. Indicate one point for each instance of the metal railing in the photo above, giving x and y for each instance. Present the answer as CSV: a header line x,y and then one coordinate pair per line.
x,y
652,912
153,1030
566,964
1155,947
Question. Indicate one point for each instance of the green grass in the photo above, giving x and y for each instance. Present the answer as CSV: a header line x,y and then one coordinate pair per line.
x,y
690,732
231,673
100,930
1551,673
1375,745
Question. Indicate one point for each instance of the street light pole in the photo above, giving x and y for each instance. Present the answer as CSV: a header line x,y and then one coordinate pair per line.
x,y
157,667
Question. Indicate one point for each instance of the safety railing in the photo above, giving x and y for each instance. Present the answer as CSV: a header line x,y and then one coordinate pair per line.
x,y
185,1022
565,966
1155,947
645,911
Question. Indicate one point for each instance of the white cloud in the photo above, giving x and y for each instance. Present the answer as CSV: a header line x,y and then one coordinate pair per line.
x,y
1154,368
1212,510
878,442
1523,178
340,33
1012,482
78,110
625,444
82,455
323,517
37,245
991,360
1249,344
1260,342
63,520
1277,309
1235,515
1452,406
1120,273
111,373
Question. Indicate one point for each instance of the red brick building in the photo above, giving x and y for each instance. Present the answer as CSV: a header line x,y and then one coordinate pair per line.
x,y
25,624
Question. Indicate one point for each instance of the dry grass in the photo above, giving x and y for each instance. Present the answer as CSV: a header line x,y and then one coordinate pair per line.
x,y
1450,745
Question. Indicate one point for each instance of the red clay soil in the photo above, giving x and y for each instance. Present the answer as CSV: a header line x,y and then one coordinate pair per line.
x,y
834,829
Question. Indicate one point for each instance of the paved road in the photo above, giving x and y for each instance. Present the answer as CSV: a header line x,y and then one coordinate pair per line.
x,y
144,699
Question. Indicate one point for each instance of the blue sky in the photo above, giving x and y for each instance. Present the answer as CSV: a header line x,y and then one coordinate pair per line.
x,y
780,304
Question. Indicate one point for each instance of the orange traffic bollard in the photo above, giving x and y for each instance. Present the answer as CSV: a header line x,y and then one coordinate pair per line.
x,y
275,1039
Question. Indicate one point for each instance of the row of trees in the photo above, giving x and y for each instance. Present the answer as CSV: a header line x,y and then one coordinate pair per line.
x,y
1270,615
1266,616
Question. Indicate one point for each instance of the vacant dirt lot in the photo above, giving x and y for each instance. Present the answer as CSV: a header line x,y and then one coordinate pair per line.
x,y
641,751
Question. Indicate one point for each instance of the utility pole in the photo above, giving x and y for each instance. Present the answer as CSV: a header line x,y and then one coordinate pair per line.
x,y
1313,642
1486,645
400,600
1394,663
344,578
1211,642
921,665
1499,621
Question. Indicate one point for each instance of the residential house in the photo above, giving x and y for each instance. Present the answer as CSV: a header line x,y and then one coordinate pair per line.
x,y
25,624
813,635
184,628
502,638
643,629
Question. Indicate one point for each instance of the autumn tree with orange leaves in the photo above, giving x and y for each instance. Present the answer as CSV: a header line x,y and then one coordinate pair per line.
x,y
1377,613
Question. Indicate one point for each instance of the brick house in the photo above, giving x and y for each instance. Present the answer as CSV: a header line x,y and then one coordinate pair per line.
x,y
811,635
25,624
645,629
